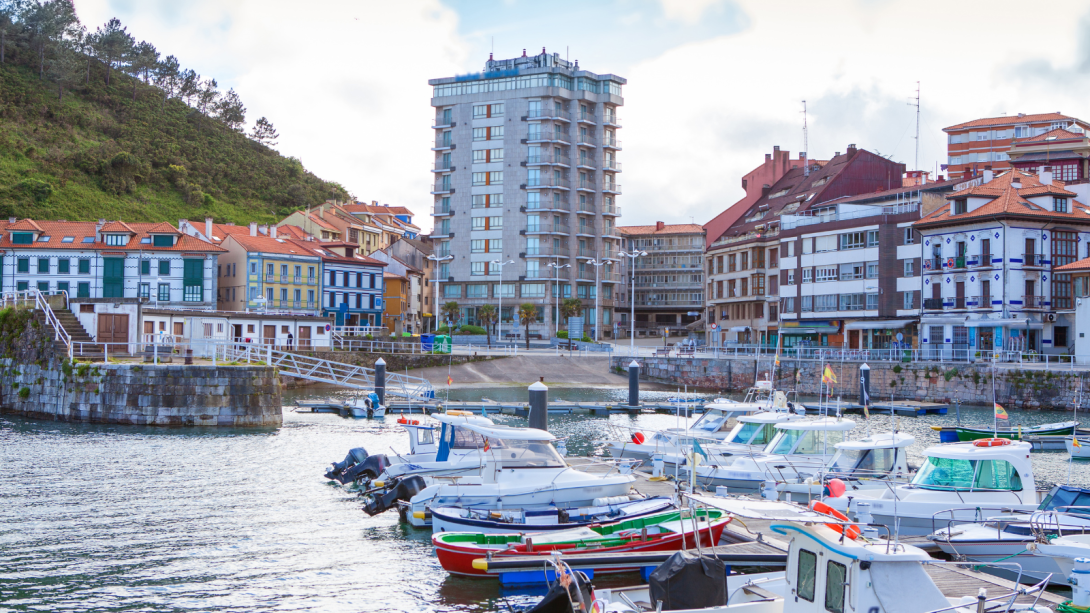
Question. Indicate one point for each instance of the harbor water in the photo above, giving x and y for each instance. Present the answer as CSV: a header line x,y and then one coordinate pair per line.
x,y
112,518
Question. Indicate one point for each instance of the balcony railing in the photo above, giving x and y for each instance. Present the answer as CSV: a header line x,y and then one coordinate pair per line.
x,y
443,142
553,136
984,260
442,188
549,204
956,262
270,278
613,165
613,188
588,184
980,302
932,304
548,158
1033,302
547,183
1032,259
546,251
442,208
587,116
932,265
312,281
587,163
611,119
586,229
547,114
283,304
610,209
552,228
443,167
956,303
612,143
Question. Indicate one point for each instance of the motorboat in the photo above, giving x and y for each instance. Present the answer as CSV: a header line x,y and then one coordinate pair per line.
x,y
425,450
1064,550
1016,432
668,531
956,480
715,425
1012,536
366,406
751,433
871,462
1080,451
521,469
545,519
801,447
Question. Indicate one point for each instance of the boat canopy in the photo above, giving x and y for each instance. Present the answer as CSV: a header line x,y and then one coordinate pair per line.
x,y
461,418
823,423
884,440
508,433
967,467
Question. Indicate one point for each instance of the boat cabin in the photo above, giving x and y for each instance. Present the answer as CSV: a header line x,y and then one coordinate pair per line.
x,y
973,467
507,448
758,429
455,436
809,437
876,456
719,418
1067,499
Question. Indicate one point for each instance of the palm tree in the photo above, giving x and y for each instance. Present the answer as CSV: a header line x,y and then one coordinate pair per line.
x,y
570,307
527,313
451,313
487,315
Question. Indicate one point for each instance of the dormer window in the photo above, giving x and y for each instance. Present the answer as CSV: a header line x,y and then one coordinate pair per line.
x,y
117,240
22,238
1059,204
961,205
43,239
162,240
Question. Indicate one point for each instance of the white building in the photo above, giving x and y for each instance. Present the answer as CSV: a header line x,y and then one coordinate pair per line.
x,y
988,260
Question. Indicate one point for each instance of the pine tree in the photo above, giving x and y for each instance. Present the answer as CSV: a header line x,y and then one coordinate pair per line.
x,y
168,77
265,133
64,68
112,44
228,109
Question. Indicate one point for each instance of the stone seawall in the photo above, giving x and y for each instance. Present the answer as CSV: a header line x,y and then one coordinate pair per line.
x,y
969,383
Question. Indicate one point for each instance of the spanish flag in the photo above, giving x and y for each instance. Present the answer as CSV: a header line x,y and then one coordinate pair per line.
x,y
449,381
828,378
1000,412
1075,442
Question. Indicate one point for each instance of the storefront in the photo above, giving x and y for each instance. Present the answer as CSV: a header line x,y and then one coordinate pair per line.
x,y
816,333
880,334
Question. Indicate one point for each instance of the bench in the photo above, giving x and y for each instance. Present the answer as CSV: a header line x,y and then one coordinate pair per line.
x,y
662,353
689,351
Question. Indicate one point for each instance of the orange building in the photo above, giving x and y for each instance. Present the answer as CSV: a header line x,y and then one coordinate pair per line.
x,y
396,297
987,142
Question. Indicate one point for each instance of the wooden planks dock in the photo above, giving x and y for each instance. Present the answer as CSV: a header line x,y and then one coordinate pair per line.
x,y
956,581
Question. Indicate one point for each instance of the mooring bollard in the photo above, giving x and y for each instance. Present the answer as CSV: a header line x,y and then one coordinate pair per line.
x,y
539,406
189,357
633,384
380,380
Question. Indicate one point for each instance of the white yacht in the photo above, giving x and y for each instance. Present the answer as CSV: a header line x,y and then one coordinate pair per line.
x,y
955,480
871,462
521,469
456,451
751,434
799,447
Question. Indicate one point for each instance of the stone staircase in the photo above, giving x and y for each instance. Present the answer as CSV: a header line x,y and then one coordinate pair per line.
x,y
75,329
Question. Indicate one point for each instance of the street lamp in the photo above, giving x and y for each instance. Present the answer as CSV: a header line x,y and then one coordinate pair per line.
x,y
597,315
499,318
435,307
632,294
158,282
556,290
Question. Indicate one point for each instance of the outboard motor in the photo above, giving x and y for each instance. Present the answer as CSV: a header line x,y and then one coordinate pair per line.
x,y
404,489
566,597
355,456
367,469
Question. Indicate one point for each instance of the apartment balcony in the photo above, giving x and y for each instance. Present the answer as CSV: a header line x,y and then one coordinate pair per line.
x,y
984,260
611,188
611,277
547,183
312,281
587,117
611,233
587,164
587,185
608,254
271,278
442,232
548,205
585,230
611,209
611,143
442,188
932,265
956,304
553,115
440,124
611,119
559,137
1034,302
549,159
443,167
588,207
296,305
612,165
585,142
980,302
932,304
442,143
1032,260
442,209
560,227
545,251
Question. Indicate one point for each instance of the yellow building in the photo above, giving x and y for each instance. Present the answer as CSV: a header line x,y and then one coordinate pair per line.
x,y
396,298
266,273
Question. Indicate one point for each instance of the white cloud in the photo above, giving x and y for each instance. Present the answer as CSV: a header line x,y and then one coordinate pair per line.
x,y
687,11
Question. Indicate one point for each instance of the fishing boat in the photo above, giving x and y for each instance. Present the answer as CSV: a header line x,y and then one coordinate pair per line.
x,y
1016,433
521,469
366,406
1011,537
955,480
668,531
544,519
874,461
751,434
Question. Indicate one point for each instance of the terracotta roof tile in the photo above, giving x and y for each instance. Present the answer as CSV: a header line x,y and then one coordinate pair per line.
x,y
315,248
162,228
1057,134
26,224
117,226
78,231
1008,120
1081,265
293,232
265,244
1008,200
677,228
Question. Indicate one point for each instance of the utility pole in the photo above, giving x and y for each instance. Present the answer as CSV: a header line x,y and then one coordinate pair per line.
x,y
805,141
917,105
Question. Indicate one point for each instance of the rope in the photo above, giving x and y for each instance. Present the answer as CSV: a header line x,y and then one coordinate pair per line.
x,y
980,566
1067,607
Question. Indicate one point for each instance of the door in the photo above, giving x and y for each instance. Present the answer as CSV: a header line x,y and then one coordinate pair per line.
x,y
268,337
113,277
113,328
236,331
1029,300
959,295
985,251
853,339
1031,251
304,337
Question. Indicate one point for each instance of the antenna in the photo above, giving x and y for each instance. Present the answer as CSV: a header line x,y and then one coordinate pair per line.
x,y
917,105
805,142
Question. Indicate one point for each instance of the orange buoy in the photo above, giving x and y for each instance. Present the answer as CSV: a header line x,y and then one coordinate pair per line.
x,y
638,438
991,442
836,488
848,530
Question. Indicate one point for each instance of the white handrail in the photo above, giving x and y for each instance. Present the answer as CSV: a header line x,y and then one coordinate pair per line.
x,y
24,297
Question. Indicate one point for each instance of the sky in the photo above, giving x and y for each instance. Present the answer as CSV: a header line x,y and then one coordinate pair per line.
x,y
713,85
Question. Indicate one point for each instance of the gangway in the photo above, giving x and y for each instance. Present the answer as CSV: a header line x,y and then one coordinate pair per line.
x,y
415,389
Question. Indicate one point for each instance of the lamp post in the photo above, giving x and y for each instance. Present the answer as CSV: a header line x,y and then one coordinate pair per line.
x,y
435,307
499,317
556,266
158,282
632,295
597,315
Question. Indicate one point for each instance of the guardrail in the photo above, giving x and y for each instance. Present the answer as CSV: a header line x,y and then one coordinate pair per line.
x,y
36,300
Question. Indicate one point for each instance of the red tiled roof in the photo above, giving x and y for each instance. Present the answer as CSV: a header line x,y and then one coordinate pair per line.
x,y
57,231
117,226
315,248
162,228
1057,134
677,228
265,244
1008,120
26,224
1009,200
293,232
1079,266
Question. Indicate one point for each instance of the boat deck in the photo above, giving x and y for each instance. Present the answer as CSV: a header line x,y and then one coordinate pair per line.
x,y
963,581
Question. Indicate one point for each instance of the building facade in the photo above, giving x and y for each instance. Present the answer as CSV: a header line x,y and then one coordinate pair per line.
x,y
526,170
669,286
990,256
271,274
972,145
352,288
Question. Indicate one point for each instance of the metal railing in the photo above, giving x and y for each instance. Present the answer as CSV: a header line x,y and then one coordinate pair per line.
x,y
547,182
984,260
441,188
611,165
807,218
611,142
1033,302
546,250
442,141
547,114
549,204
611,119
932,304
555,227
588,116
1032,259
610,209
443,167
35,299
443,208
980,302
613,188
587,184
548,158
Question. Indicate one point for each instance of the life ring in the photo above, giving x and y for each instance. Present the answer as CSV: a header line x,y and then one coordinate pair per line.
x,y
991,442
637,437
850,531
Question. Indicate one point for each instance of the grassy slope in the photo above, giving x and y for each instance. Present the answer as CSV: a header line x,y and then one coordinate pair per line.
x,y
97,154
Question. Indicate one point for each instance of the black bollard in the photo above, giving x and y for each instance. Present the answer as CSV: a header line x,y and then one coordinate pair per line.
x,y
633,384
864,385
539,406
380,380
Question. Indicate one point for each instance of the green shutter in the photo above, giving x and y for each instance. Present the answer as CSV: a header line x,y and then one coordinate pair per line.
x,y
164,267
145,267
23,265
83,290
113,277
22,238
85,267
193,280
63,266
162,240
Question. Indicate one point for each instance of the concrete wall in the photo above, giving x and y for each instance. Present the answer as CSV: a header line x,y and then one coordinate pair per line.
x,y
970,383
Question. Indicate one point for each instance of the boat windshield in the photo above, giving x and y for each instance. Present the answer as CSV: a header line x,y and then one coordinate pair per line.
x,y
512,453
712,421
967,475
863,462
752,434
809,442
467,439
1063,499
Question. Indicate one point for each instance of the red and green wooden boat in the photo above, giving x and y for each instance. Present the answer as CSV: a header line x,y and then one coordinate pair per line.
x,y
668,531
1017,432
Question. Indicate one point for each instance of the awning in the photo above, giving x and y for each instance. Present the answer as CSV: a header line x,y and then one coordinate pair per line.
x,y
1002,323
892,324
811,330
740,329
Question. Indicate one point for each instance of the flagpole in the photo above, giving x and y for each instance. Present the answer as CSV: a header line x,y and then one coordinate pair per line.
x,y
995,402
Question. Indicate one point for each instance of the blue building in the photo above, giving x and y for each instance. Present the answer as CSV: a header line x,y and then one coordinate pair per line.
x,y
352,284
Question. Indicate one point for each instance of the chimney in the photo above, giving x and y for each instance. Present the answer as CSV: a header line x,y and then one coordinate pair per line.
x,y
1046,175
851,150
253,228
272,231
768,157
181,225
12,219
837,154
208,227
659,225
375,202
988,174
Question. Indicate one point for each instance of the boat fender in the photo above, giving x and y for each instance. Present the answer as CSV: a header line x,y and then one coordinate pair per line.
x,y
849,531
638,438
609,500
836,488
991,442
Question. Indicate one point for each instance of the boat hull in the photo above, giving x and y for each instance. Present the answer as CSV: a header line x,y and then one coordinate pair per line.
x,y
1034,567
442,521
972,434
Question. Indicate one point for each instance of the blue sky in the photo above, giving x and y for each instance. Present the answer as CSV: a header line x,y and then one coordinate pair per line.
x,y
713,85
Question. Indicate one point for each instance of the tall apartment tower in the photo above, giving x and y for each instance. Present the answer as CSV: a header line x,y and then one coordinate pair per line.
x,y
526,170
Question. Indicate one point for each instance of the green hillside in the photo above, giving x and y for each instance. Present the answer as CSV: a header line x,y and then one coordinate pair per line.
x,y
73,147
